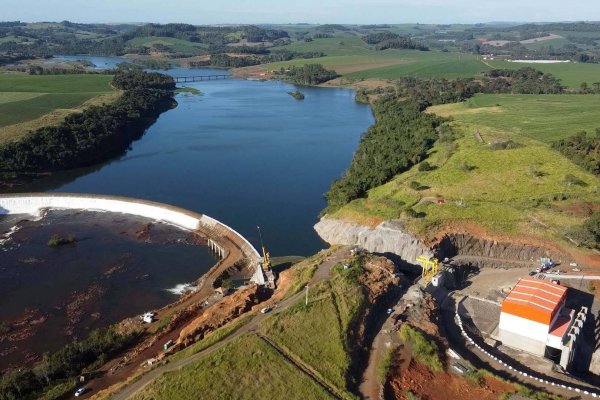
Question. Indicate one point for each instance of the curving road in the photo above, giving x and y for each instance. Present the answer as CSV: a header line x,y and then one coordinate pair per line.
x,y
322,273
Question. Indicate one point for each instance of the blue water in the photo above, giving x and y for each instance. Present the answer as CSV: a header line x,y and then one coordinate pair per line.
x,y
246,153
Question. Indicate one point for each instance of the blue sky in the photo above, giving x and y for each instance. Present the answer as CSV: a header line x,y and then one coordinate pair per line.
x,y
292,11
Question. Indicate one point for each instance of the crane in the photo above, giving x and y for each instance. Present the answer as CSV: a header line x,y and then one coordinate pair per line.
x,y
430,267
266,262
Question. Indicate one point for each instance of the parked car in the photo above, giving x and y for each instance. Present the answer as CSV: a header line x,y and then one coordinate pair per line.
x,y
80,391
389,311
265,310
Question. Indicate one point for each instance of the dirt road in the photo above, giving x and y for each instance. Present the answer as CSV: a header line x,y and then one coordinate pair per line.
x,y
322,273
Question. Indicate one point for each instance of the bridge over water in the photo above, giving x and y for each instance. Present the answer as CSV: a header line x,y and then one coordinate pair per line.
x,y
198,78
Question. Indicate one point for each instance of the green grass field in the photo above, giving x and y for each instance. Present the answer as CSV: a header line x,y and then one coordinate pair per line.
x,y
427,64
25,97
515,191
343,45
545,118
247,368
324,324
556,43
571,74
353,58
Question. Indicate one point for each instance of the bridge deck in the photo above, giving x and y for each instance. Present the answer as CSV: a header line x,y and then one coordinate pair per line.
x,y
198,78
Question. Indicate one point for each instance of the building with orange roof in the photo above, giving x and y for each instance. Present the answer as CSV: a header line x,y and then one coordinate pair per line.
x,y
534,318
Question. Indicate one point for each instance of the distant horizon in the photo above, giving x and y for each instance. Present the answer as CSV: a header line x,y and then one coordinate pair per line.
x,y
302,23
355,12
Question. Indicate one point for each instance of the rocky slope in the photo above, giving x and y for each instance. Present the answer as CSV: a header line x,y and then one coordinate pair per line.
x,y
387,237
392,237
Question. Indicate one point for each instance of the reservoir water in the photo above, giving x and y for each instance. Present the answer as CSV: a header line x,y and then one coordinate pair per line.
x,y
245,152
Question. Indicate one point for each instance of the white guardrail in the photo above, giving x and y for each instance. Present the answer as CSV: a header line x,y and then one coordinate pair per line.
x,y
515,370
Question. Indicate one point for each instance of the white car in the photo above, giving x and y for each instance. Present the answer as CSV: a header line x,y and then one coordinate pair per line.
x,y
265,310
80,391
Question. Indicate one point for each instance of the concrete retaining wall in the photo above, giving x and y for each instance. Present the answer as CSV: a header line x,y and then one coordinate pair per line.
x,y
33,203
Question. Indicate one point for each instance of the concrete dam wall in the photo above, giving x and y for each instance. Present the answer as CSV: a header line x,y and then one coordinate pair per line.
x,y
228,241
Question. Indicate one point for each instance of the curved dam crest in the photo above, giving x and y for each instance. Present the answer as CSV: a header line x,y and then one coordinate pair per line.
x,y
225,239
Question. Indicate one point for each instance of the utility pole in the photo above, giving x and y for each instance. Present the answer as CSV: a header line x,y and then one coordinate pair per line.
x,y
306,303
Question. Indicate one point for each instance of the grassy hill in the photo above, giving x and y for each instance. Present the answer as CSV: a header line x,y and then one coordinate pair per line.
x,y
173,44
523,189
28,102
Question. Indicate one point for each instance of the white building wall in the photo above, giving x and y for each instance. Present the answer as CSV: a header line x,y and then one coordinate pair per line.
x,y
554,341
523,334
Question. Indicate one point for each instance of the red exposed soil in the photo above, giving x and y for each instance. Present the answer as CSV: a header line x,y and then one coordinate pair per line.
x,y
220,313
428,385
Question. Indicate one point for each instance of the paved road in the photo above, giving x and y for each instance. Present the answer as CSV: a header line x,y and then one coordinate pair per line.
x,y
322,273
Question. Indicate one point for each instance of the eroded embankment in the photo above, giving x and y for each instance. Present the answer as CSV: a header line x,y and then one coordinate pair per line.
x,y
391,237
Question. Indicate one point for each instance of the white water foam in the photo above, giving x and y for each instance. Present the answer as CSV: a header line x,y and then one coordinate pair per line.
x,y
181,288
6,237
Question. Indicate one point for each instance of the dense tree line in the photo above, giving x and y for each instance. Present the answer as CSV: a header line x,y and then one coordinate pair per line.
x,y
399,139
227,61
390,40
309,74
67,363
97,133
582,149
524,81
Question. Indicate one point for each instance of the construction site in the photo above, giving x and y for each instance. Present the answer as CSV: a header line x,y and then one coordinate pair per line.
x,y
536,324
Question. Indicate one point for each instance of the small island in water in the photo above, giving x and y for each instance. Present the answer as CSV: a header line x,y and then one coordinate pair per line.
x,y
297,95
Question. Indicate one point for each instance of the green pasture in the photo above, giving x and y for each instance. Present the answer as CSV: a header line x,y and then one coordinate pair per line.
x,y
572,74
247,368
542,117
27,97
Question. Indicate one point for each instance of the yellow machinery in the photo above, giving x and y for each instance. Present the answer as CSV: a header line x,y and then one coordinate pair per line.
x,y
430,268
266,262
